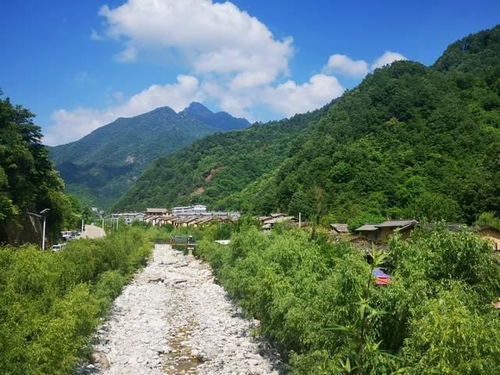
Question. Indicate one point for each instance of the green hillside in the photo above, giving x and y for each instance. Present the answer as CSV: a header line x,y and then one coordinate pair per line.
x,y
410,140
102,165
218,165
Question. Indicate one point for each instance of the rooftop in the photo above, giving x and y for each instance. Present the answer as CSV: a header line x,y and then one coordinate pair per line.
x,y
340,228
367,228
396,223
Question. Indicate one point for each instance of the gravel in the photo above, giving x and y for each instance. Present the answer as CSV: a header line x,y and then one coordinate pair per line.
x,y
173,319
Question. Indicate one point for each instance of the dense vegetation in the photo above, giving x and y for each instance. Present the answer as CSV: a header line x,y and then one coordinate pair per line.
x,y
213,168
102,165
410,141
318,301
28,181
50,303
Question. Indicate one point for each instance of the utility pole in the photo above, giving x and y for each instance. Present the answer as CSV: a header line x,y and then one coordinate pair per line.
x,y
43,214
43,232
300,219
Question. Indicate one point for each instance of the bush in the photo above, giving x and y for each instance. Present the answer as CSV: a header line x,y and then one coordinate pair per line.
x,y
319,304
51,303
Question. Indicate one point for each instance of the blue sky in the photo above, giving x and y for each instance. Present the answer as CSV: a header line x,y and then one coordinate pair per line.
x,y
81,64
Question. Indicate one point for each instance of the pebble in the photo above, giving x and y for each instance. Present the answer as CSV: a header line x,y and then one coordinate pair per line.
x,y
183,324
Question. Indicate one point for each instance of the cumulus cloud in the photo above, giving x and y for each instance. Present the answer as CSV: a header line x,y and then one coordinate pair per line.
x,y
212,37
386,59
70,125
290,98
345,65
231,58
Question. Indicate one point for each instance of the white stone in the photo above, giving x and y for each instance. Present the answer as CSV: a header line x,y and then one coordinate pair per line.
x,y
186,320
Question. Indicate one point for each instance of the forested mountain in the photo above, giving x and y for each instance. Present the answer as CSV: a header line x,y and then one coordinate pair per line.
x,y
220,120
28,181
213,168
410,140
102,165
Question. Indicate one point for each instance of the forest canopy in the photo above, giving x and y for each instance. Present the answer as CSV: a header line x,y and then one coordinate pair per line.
x,y
28,181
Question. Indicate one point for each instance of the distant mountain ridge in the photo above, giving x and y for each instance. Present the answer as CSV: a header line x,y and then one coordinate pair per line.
x,y
219,120
102,165
409,141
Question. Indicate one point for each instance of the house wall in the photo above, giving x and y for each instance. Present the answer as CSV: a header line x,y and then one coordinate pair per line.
x,y
370,235
491,236
385,232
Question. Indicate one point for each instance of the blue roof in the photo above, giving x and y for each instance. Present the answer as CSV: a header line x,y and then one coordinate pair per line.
x,y
378,272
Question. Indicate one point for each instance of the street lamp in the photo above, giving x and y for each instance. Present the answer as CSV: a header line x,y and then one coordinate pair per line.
x,y
42,214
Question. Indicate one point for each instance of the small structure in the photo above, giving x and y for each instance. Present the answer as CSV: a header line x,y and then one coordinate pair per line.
x,y
381,278
182,242
223,242
155,211
197,209
496,304
128,217
268,222
491,234
339,229
390,227
368,231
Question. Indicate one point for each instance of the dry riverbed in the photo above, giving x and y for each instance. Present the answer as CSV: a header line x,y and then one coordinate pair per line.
x,y
173,319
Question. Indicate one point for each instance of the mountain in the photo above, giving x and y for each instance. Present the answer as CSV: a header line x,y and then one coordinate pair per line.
x,y
410,140
213,168
102,165
220,120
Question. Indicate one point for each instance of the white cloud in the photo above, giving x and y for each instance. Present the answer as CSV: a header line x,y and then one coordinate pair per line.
x,y
128,54
345,65
386,59
290,98
70,125
232,59
213,37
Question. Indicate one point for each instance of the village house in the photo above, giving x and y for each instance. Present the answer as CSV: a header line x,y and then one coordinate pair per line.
x,y
155,211
339,230
197,209
368,231
128,217
403,227
491,234
382,231
267,222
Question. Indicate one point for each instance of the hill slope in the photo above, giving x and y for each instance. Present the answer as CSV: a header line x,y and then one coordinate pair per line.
x,y
213,168
410,140
102,165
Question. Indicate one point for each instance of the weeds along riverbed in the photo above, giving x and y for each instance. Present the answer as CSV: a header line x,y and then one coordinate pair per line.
x,y
316,301
52,302
319,304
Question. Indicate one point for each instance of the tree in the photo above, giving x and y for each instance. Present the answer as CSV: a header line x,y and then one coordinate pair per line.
x,y
28,181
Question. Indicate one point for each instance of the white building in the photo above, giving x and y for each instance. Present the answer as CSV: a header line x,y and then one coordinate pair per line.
x,y
128,217
197,209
